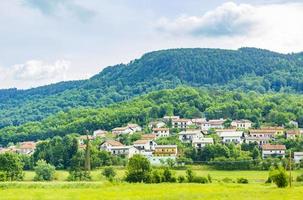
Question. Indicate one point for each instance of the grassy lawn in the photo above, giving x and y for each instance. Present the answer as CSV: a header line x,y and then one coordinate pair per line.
x,y
101,189
124,191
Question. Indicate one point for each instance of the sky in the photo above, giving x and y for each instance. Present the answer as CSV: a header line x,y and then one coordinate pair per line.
x,y
47,41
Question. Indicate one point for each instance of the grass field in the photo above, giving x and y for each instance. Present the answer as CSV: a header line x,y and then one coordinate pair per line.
x,y
101,189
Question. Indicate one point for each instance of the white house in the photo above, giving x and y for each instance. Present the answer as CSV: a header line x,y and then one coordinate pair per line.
x,y
298,157
231,136
134,127
167,118
99,133
107,145
181,123
190,134
156,124
129,129
122,130
161,132
273,150
127,151
149,137
146,145
214,123
241,124
258,140
202,142
26,147
263,133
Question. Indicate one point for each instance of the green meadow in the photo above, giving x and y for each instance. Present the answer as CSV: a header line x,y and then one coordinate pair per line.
x,y
99,188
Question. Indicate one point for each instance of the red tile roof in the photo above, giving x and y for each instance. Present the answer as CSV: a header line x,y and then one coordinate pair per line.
x,y
273,147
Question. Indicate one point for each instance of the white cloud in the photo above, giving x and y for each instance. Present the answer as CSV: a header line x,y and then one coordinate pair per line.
x,y
227,19
39,70
34,72
277,27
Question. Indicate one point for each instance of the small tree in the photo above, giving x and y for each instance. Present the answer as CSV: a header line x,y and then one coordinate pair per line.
x,y
109,173
44,171
138,169
190,175
279,177
11,166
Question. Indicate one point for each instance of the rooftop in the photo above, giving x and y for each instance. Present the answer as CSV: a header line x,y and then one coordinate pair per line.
x,y
273,147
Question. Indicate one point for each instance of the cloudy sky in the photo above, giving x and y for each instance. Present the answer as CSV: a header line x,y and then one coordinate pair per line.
x,y
46,41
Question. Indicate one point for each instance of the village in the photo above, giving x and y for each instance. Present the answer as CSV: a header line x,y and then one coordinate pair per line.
x,y
196,132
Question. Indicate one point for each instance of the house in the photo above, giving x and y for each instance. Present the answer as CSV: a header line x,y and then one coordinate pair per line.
x,y
269,150
298,157
229,136
292,134
146,145
122,130
263,133
109,144
161,132
190,134
198,121
202,142
241,124
26,147
277,129
83,138
156,124
168,118
8,149
134,127
181,123
99,133
127,151
149,137
162,153
259,140
214,123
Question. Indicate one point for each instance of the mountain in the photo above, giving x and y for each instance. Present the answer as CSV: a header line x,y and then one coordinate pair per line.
x,y
269,108
242,69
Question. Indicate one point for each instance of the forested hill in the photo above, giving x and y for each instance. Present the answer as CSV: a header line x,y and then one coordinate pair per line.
x,y
246,69
270,108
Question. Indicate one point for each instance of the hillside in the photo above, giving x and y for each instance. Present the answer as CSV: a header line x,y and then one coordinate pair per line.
x,y
275,109
244,69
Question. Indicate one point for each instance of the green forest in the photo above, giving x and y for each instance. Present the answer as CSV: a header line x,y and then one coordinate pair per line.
x,y
244,70
269,108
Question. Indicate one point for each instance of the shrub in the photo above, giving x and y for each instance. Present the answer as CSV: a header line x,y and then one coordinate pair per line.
x,y
279,177
181,179
209,178
2,177
44,171
190,175
227,180
200,179
138,169
109,173
79,175
156,177
300,178
242,180
167,175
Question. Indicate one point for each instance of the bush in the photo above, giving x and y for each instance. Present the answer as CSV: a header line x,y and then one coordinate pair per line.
x,y
167,175
200,179
190,175
181,179
279,177
44,171
79,175
210,179
242,180
227,180
138,170
300,178
109,173
156,177
2,177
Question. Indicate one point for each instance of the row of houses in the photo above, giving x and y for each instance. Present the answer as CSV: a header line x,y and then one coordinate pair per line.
x,y
22,148
147,147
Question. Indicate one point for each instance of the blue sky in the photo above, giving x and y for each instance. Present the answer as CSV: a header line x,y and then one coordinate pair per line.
x,y
46,41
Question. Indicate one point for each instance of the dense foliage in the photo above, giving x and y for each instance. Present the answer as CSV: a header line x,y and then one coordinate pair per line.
x,y
245,69
272,108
